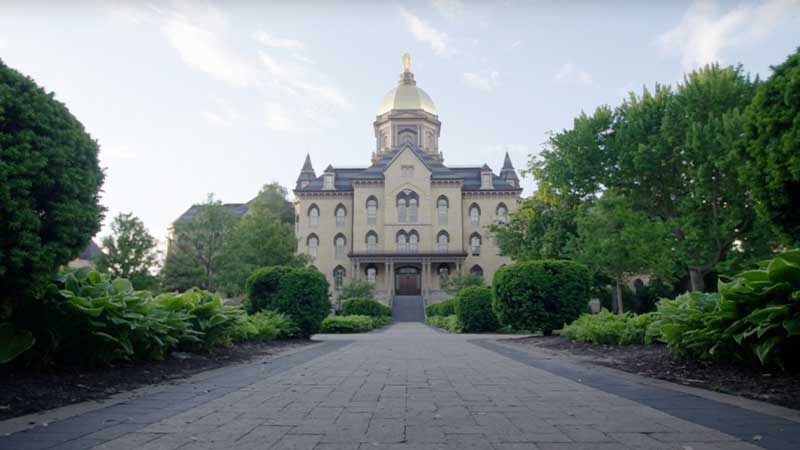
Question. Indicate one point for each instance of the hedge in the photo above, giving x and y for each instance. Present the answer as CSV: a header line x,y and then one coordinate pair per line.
x,y
353,324
365,307
445,308
473,308
540,295
300,293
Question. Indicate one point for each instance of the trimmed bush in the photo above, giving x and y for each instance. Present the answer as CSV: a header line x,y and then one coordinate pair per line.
x,y
540,295
352,324
609,328
300,293
445,308
449,323
474,310
365,307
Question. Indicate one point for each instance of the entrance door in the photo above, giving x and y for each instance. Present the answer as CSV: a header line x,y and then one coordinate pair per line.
x,y
408,281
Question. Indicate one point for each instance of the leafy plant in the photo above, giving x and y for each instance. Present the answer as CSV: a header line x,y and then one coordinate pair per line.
x,y
474,310
13,342
609,328
365,307
456,282
352,324
356,289
449,323
445,308
263,326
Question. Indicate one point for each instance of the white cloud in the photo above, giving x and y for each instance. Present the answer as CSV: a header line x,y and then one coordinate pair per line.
x,y
450,9
486,82
572,74
423,32
223,113
704,32
264,38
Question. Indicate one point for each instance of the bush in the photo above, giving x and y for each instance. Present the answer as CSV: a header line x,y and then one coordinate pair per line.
x,y
474,310
449,323
365,307
356,289
352,324
609,328
540,295
50,182
445,308
263,326
300,293
457,282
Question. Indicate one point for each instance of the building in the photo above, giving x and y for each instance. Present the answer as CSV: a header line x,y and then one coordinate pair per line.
x,y
407,221
86,257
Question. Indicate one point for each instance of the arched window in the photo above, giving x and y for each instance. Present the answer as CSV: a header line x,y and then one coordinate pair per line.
x,y
338,277
401,209
444,274
407,206
372,241
502,213
476,270
441,207
372,272
372,210
340,242
413,204
413,241
475,244
402,241
313,244
313,216
442,241
474,215
341,215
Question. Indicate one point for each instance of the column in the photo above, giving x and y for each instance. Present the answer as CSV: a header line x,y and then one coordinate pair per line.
x,y
357,275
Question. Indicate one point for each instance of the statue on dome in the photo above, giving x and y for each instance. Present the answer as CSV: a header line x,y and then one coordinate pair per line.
x,y
406,62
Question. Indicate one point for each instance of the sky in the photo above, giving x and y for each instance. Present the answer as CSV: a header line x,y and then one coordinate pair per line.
x,y
187,98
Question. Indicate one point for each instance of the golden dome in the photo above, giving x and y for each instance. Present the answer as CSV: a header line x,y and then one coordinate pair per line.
x,y
407,95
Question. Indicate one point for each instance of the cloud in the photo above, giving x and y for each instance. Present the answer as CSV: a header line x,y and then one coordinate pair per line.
x,y
223,113
704,32
452,10
423,32
516,43
486,82
264,38
3,43
571,74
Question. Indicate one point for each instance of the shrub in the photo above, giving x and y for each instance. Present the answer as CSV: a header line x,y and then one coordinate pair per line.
x,y
689,324
263,326
356,289
474,310
50,182
352,324
609,328
445,308
300,293
449,323
365,307
456,282
540,295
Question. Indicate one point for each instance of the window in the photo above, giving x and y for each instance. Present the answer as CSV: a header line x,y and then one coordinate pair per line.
x,y
407,205
372,210
475,243
313,216
441,207
442,241
313,245
327,181
502,213
401,210
338,277
372,242
371,273
340,243
412,210
474,215
407,171
402,242
476,270
341,215
413,241
444,273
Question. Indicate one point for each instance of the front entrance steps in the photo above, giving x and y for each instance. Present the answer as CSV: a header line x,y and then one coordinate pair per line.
x,y
408,308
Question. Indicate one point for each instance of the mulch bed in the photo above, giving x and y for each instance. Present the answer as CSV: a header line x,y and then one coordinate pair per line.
x,y
25,391
655,361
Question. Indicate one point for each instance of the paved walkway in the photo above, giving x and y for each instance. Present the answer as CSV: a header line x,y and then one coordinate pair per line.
x,y
411,387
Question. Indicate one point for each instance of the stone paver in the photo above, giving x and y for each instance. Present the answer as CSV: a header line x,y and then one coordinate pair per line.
x,y
408,387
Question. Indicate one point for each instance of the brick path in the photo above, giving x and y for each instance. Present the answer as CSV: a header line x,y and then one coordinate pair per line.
x,y
409,387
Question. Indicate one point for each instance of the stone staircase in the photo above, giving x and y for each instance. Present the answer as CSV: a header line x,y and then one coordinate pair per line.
x,y
408,308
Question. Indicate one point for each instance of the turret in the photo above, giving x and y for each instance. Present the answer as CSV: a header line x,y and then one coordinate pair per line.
x,y
307,174
508,174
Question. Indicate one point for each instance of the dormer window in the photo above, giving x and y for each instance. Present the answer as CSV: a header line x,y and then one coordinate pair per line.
x,y
486,180
327,180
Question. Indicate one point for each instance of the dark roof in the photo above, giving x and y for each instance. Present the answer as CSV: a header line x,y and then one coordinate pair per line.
x,y
237,209
470,175
91,252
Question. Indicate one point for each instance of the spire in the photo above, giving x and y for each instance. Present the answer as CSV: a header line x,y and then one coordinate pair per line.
x,y
307,174
407,77
508,174
507,163
307,164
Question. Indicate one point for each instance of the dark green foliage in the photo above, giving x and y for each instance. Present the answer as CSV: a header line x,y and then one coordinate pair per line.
x,y
474,310
365,307
540,295
13,341
457,282
609,328
449,323
445,308
130,252
49,188
300,293
263,326
772,141
356,289
353,324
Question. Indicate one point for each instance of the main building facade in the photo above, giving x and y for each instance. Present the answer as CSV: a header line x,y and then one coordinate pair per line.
x,y
406,222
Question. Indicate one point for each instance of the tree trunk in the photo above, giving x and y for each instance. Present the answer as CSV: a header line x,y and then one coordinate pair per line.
x,y
698,284
619,297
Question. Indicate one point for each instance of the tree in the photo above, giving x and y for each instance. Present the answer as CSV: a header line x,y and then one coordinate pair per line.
x,y
457,282
263,237
617,241
772,148
130,252
194,256
50,181
539,229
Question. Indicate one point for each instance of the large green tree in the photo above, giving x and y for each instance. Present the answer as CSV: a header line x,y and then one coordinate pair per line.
x,y
129,252
263,237
195,252
772,135
50,181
